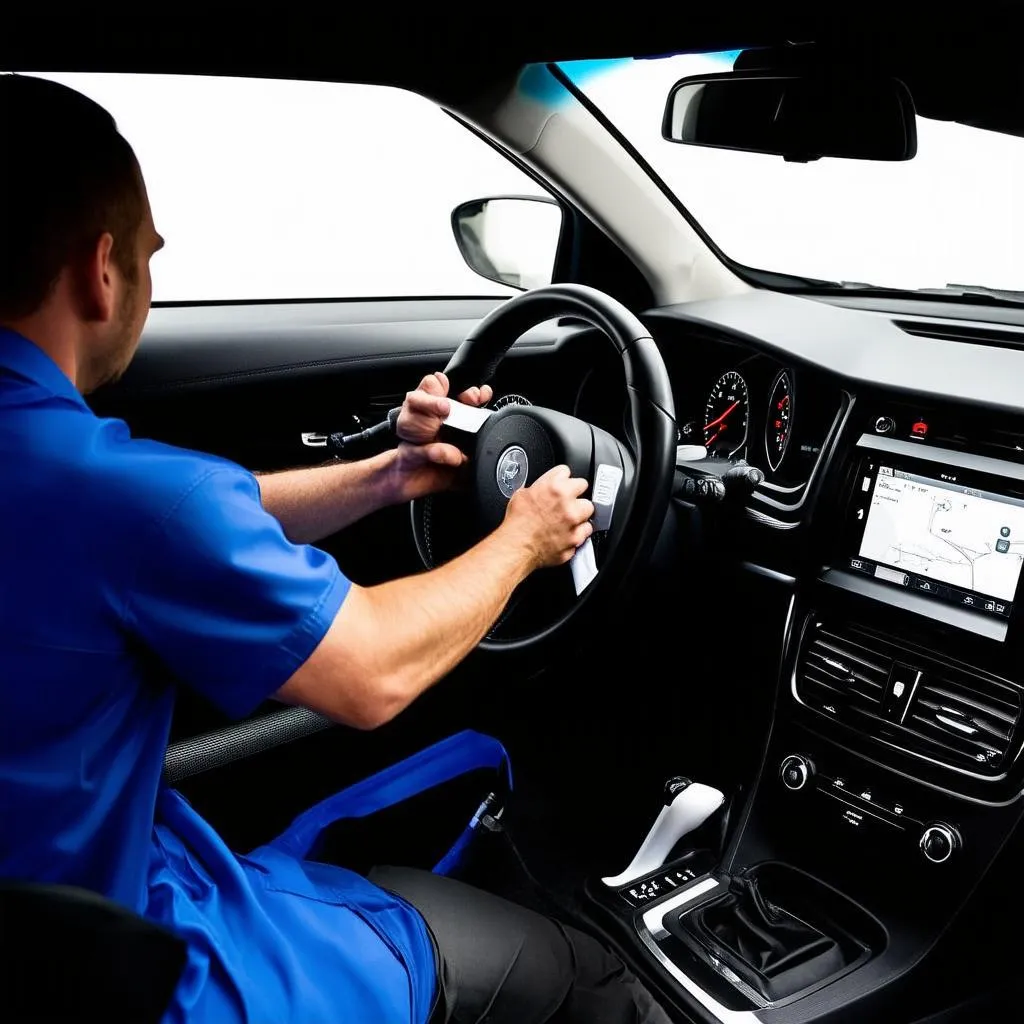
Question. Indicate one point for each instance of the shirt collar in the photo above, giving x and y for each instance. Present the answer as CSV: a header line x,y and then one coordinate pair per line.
x,y
28,360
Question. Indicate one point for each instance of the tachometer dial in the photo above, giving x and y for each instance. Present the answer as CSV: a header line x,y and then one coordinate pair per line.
x,y
726,416
779,423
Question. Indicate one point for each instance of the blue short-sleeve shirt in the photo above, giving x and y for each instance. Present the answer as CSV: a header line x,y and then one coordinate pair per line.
x,y
130,568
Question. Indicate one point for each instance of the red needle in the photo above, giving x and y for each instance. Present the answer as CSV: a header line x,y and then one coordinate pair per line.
x,y
709,441
714,423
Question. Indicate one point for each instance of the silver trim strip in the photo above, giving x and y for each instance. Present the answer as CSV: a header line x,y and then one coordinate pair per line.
x,y
828,448
772,574
652,924
943,456
766,520
779,489
910,699
967,730
654,918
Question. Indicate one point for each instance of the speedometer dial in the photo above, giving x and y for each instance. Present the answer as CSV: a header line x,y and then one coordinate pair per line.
x,y
779,424
726,416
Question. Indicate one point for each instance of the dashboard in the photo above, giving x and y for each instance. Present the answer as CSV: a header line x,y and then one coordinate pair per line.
x,y
732,401
888,541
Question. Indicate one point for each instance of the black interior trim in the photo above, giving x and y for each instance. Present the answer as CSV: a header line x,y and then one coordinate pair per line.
x,y
202,346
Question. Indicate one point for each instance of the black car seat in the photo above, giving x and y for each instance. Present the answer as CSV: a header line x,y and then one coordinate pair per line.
x,y
68,955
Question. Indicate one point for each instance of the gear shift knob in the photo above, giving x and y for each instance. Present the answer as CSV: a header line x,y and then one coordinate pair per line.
x,y
687,806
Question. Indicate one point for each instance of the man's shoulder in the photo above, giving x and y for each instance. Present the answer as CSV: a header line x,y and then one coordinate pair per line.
x,y
142,478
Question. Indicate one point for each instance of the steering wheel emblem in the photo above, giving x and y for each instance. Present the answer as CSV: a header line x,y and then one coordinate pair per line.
x,y
512,469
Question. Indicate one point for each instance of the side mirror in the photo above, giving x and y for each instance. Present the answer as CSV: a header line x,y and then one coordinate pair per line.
x,y
798,117
512,240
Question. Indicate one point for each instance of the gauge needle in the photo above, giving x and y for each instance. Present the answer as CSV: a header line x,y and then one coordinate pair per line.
x,y
714,423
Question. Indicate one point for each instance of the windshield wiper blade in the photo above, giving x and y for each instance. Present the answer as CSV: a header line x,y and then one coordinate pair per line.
x,y
975,294
978,293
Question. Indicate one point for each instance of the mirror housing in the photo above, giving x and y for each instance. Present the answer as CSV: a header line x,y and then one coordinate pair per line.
x,y
512,240
799,117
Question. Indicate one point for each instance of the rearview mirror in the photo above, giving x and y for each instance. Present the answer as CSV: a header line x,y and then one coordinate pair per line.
x,y
509,239
800,118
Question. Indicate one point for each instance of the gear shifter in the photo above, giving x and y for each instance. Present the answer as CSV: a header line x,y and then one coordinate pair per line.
x,y
687,806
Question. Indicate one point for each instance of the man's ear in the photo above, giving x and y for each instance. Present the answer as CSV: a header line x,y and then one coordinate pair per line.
x,y
98,279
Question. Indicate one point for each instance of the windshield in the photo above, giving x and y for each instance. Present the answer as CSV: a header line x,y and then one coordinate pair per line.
x,y
953,216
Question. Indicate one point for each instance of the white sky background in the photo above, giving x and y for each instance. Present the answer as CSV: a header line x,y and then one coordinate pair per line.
x,y
297,189
270,189
953,214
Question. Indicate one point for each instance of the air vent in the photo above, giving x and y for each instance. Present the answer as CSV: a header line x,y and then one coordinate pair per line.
x,y
843,671
953,714
967,719
971,333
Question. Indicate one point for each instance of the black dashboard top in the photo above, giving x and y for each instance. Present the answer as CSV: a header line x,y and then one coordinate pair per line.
x,y
864,346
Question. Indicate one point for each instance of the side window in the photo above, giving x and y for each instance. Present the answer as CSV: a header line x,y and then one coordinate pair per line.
x,y
292,190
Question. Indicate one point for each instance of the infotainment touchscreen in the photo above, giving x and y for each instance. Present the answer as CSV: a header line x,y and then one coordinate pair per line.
x,y
940,537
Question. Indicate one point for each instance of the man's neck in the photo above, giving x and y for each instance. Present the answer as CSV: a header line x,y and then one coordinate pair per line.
x,y
58,340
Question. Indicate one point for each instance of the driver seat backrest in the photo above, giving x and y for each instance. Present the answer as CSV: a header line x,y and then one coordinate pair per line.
x,y
67,954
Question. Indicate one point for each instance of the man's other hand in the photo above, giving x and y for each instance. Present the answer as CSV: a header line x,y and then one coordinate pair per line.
x,y
425,465
550,518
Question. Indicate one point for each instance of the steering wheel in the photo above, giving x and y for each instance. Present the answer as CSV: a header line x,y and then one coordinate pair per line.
x,y
517,444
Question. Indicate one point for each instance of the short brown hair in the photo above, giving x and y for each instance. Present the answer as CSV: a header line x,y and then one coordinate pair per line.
x,y
68,176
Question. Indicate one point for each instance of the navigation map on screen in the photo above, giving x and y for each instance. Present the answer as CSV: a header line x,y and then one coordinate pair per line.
x,y
958,535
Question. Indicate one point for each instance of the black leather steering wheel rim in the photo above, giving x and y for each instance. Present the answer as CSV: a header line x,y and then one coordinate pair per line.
x,y
651,432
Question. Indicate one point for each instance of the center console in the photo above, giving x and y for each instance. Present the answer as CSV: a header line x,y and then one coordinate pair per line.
x,y
892,775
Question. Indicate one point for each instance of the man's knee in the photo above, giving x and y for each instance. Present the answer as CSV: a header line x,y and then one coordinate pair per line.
x,y
495,956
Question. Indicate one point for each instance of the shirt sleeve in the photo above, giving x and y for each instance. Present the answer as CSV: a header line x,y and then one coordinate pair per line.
x,y
230,605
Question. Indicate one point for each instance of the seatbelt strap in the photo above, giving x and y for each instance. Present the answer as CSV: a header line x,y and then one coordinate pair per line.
x,y
464,752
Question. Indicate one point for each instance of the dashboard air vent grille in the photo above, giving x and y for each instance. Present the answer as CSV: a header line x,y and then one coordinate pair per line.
x,y
967,719
951,713
972,333
843,670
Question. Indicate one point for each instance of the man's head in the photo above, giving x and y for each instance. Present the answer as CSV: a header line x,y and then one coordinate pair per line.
x,y
76,231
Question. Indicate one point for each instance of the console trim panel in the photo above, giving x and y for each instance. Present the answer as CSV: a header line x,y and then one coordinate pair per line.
x,y
907,600
651,925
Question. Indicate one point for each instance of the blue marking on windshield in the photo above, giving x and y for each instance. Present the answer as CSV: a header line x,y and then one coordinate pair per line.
x,y
537,83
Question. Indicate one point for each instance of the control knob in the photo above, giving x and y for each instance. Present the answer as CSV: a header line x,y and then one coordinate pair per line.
x,y
796,771
939,842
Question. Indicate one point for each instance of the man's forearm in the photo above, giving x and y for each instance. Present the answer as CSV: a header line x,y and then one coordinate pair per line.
x,y
431,622
313,503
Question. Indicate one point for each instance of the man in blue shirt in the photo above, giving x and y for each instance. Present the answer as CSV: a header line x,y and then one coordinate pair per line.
x,y
127,561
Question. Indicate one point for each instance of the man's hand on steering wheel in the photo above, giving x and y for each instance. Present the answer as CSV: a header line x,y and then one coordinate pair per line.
x,y
423,464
